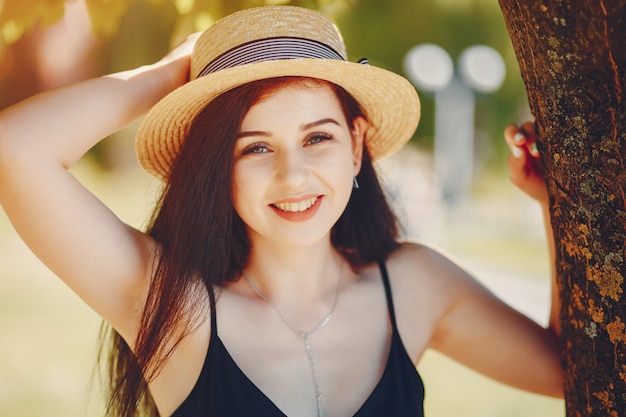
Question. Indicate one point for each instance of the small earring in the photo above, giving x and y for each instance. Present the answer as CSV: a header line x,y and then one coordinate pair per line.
x,y
355,183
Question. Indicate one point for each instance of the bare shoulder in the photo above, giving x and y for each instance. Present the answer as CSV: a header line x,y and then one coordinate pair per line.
x,y
423,282
415,263
417,268
441,306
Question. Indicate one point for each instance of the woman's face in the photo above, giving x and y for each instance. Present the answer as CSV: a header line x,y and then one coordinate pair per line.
x,y
295,159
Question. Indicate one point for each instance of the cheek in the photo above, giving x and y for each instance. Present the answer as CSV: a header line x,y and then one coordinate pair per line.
x,y
246,189
344,166
238,190
341,175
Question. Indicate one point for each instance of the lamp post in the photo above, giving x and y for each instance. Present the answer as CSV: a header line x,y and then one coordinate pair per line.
x,y
480,69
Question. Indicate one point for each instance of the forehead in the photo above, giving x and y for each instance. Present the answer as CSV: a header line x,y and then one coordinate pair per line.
x,y
279,85
303,98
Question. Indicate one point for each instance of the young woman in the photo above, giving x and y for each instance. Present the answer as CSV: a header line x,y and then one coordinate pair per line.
x,y
270,281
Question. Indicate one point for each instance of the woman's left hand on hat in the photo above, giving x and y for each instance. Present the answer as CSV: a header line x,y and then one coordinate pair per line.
x,y
525,167
180,57
184,49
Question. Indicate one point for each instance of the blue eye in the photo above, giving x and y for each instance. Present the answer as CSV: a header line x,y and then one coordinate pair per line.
x,y
318,138
255,148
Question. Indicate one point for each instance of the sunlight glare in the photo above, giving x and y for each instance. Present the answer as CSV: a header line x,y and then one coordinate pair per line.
x,y
11,31
184,6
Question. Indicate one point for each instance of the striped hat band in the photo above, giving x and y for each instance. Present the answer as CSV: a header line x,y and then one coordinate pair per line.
x,y
270,49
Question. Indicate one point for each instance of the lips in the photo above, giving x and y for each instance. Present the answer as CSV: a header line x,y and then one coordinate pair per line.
x,y
296,207
298,211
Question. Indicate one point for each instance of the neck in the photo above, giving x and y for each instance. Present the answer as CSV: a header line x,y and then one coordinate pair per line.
x,y
298,274
308,282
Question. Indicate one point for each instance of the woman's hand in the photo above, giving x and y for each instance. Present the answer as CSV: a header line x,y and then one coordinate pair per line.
x,y
181,55
184,49
525,168
526,172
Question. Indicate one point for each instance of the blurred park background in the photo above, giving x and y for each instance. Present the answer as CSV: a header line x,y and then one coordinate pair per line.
x,y
48,337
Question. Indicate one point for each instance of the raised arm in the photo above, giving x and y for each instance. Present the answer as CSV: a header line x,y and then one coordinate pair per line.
x,y
526,172
480,331
103,260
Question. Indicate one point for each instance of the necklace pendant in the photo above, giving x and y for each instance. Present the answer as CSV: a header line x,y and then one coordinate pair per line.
x,y
304,335
319,405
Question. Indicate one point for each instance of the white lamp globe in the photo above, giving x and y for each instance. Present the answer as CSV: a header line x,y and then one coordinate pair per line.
x,y
429,67
482,68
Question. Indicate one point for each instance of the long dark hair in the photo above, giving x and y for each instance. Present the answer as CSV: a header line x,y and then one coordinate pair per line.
x,y
203,242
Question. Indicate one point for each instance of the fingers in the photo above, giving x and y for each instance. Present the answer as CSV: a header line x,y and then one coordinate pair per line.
x,y
525,168
191,40
182,50
521,140
516,140
528,130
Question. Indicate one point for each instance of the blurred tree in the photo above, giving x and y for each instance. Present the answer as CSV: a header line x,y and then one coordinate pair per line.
x,y
18,17
39,58
385,31
127,33
124,33
573,61
36,36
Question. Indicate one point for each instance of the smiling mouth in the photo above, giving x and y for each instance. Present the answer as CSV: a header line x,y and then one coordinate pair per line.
x,y
296,207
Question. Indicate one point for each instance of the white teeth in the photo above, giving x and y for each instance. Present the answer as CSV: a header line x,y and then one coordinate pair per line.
x,y
296,207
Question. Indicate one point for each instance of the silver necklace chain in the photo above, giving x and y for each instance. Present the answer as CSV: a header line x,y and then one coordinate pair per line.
x,y
302,334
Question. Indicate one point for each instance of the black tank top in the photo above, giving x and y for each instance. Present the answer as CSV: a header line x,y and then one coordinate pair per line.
x,y
223,390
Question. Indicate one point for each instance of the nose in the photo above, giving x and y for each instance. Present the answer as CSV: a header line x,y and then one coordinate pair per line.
x,y
291,169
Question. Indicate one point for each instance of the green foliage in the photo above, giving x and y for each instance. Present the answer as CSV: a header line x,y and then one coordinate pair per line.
x,y
18,16
385,31
105,15
135,32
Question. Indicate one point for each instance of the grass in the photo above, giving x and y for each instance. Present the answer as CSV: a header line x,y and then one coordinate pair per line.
x,y
47,340
453,390
47,335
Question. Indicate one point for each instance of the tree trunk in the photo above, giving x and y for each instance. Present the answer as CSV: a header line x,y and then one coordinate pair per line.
x,y
572,57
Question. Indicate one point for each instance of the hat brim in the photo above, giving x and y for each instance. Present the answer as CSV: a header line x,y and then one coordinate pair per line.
x,y
389,101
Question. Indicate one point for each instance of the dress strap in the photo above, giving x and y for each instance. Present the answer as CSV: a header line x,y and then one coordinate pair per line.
x,y
392,314
213,307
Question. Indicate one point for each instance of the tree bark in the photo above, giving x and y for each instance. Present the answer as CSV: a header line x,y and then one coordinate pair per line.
x,y
572,57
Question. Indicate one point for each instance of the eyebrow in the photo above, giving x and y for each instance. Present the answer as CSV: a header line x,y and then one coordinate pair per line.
x,y
252,133
302,128
319,122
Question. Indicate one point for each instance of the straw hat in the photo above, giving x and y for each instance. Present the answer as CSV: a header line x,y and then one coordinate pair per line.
x,y
275,41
